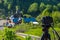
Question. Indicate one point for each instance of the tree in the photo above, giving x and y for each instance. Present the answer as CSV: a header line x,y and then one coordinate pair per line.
x,y
42,6
9,6
58,6
44,13
17,8
48,6
10,35
33,7
56,16
55,8
5,2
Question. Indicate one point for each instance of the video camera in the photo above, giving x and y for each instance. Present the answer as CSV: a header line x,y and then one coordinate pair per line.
x,y
47,21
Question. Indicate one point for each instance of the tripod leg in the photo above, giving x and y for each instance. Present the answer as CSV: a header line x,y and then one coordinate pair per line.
x,y
46,36
54,35
42,37
49,36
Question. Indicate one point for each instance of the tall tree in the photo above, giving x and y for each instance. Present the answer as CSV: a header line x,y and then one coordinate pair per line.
x,y
42,6
33,7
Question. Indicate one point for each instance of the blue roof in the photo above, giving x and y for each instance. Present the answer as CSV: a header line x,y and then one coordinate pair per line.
x,y
29,19
26,20
33,19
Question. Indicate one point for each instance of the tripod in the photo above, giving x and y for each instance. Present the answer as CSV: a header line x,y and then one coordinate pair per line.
x,y
46,35
48,22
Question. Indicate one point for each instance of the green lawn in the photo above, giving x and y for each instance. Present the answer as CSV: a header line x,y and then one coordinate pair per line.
x,y
38,32
1,34
31,29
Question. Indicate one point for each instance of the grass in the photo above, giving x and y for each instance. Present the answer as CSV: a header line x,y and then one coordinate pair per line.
x,y
1,34
38,32
20,38
28,29
32,29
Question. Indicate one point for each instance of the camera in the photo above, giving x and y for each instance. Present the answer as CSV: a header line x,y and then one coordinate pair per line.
x,y
47,21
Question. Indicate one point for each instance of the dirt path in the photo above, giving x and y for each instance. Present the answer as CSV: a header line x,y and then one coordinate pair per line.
x,y
25,35
2,24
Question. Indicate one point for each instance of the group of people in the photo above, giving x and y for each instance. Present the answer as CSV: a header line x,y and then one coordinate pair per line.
x,y
13,20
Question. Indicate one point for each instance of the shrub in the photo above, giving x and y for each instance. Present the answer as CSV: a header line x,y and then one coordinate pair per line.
x,y
10,35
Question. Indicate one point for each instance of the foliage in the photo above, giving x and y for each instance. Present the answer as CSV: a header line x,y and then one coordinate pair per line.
x,y
56,16
17,7
33,7
28,38
10,35
27,15
37,31
1,34
9,6
42,6
55,8
44,13
48,6
58,4
28,5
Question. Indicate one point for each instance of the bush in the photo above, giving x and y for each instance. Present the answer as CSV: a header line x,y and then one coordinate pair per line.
x,y
28,38
10,35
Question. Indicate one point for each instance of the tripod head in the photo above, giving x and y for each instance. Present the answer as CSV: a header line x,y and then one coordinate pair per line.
x,y
47,21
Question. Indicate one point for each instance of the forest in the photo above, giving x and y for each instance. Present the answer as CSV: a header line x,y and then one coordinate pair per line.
x,y
28,6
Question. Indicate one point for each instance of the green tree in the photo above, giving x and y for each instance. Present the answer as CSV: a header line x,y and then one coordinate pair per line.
x,y
58,6
44,13
56,16
55,8
10,35
17,7
33,7
42,6
9,6
5,2
48,6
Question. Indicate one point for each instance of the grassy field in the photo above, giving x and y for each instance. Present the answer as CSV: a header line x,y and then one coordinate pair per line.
x,y
30,29
34,30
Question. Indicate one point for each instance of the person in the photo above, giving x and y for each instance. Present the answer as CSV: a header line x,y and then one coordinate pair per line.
x,y
9,23
15,20
11,18
20,20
